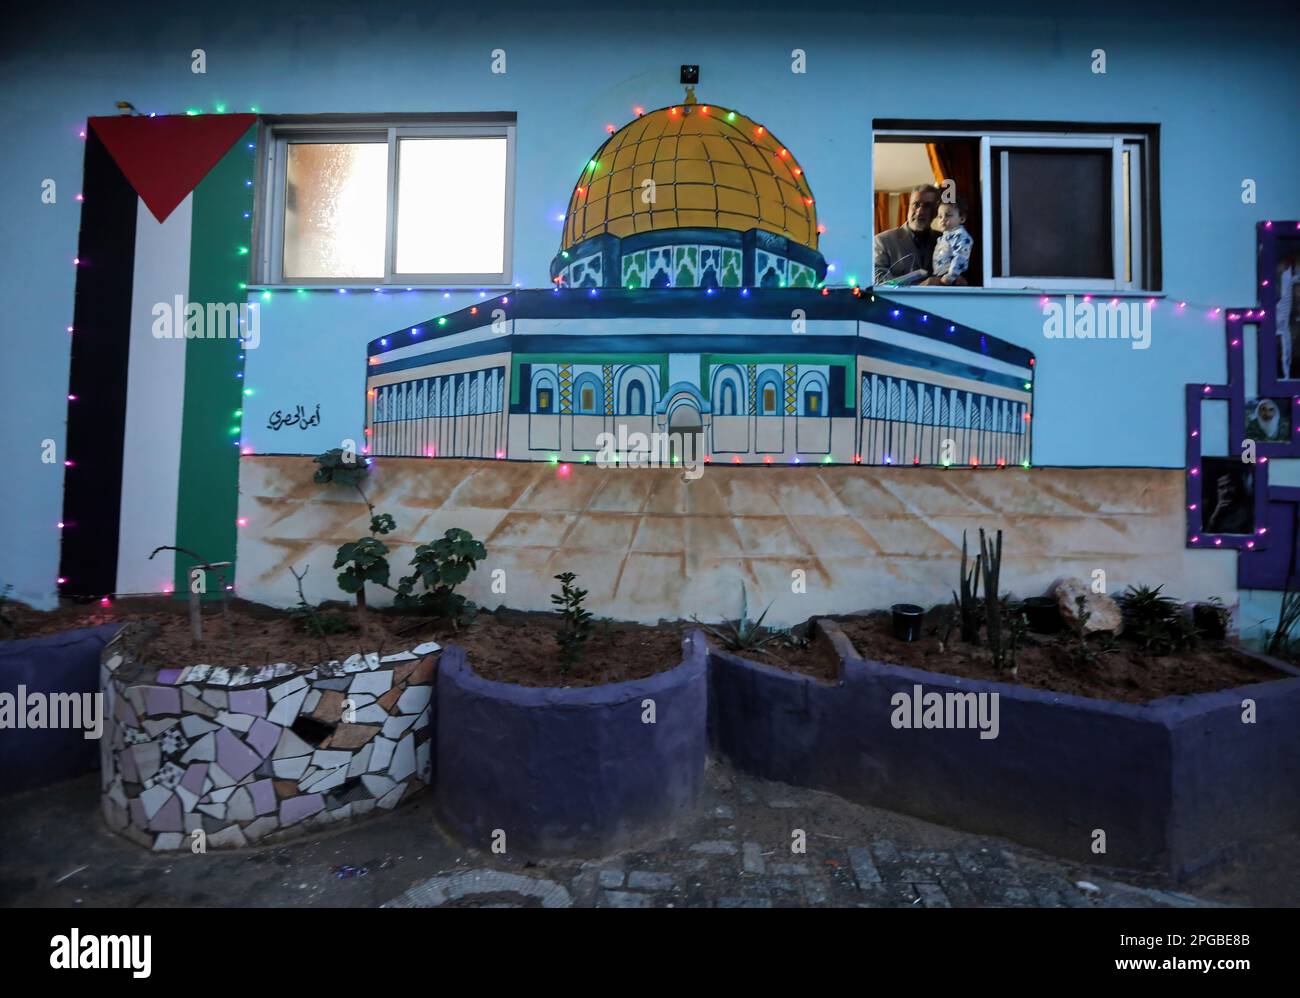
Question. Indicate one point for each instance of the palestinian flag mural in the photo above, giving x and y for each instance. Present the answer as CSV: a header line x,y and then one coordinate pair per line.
x,y
155,388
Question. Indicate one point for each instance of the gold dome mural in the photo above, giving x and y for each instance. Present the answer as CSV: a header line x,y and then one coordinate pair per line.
x,y
712,167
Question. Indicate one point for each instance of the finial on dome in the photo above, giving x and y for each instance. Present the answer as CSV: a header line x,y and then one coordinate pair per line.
x,y
690,96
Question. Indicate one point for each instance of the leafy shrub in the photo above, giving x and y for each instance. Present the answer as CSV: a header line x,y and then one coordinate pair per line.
x,y
340,467
362,561
439,568
575,625
1156,622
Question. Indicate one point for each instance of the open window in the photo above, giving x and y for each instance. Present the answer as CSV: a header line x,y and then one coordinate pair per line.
x,y
1051,207
401,201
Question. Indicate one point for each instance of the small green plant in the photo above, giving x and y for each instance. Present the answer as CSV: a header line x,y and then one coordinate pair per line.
x,y
575,620
1017,627
744,634
364,560
1156,622
309,620
341,467
990,560
968,605
1279,639
439,568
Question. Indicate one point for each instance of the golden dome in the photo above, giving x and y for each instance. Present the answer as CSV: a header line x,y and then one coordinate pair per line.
x,y
713,168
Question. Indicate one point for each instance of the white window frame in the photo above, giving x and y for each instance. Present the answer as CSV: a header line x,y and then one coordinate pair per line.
x,y
1129,269
277,136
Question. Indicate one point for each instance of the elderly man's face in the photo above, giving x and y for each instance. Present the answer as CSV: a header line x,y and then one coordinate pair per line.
x,y
921,210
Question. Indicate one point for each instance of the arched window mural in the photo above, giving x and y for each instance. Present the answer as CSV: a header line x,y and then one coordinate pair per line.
x,y
544,393
587,395
727,400
728,391
769,393
812,395
634,391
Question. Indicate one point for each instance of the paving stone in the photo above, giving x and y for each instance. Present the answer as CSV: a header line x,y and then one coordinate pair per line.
x,y
643,880
815,892
610,879
753,858
958,891
728,902
885,851
932,895
715,848
626,899
791,869
864,870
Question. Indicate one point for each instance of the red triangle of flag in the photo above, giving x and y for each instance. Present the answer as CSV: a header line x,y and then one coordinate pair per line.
x,y
164,158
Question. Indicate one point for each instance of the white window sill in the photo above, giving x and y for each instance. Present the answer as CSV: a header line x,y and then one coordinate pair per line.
x,y
881,289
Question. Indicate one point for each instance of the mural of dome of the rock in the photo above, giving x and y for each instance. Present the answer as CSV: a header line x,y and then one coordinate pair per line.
x,y
690,300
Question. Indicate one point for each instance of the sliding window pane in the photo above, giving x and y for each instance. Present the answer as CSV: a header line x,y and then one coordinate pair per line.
x,y
451,206
336,207
1059,210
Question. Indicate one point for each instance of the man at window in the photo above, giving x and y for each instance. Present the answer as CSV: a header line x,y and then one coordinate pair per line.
x,y
909,248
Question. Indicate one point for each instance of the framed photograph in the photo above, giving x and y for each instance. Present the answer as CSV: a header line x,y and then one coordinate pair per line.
x,y
1227,498
1279,328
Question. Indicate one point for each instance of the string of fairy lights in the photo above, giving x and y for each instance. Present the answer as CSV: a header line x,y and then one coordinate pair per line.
x,y
1178,308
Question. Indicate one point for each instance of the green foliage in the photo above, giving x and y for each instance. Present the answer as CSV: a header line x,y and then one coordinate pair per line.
x,y
1214,609
439,568
990,560
968,605
1280,641
335,467
575,619
745,634
1017,626
1156,622
382,523
362,561
309,620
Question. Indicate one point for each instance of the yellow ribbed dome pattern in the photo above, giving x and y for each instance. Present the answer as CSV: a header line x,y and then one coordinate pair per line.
x,y
713,168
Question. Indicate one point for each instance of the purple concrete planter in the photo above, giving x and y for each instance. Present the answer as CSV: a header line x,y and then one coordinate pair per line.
x,y
52,666
1178,784
569,771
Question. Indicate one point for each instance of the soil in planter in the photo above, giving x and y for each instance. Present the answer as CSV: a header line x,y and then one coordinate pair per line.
x,y
816,659
255,635
1126,674
511,646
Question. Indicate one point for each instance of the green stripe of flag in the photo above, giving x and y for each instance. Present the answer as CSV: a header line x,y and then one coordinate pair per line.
x,y
208,500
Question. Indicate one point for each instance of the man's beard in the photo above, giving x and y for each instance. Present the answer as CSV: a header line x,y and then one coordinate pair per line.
x,y
1270,427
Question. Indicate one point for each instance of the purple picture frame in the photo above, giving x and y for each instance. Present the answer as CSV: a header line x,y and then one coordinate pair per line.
x,y
1269,235
1261,565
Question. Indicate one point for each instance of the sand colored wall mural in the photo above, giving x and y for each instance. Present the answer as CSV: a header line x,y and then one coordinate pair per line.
x,y
653,545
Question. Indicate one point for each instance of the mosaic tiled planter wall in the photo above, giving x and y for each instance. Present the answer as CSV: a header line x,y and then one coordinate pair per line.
x,y
585,771
251,756
1177,784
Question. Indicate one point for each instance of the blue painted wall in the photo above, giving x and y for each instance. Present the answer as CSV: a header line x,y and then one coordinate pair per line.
x,y
1221,85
